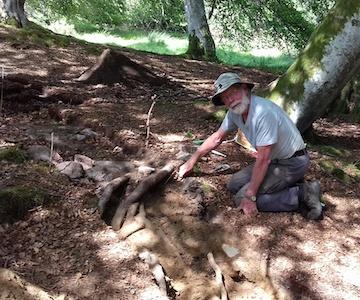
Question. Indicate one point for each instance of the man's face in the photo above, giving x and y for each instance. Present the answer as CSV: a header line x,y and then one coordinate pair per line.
x,y
236,99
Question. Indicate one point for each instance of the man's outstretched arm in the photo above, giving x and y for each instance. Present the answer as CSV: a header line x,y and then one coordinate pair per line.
x,y
209,144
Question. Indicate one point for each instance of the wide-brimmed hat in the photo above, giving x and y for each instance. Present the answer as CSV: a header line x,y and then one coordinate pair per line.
x,y
224,81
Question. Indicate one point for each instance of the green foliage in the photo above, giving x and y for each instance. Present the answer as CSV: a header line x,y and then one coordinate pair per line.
x,y
12,154
16,201
97,13
156,15
287,24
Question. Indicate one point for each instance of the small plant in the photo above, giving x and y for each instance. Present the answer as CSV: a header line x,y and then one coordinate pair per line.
x,y
189,135
13,154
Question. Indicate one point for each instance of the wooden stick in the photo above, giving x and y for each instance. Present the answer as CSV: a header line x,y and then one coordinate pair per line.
x,y
218,276
148,123
2,89
51,147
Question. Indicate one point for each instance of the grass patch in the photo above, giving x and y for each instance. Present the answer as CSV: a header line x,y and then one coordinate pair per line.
x,y
218,115
16,201
347,173
13,155
276,64
332,151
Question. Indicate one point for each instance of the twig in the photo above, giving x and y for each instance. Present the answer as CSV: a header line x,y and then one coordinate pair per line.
x,y
2,89
148,122
218,276
51,147
218,153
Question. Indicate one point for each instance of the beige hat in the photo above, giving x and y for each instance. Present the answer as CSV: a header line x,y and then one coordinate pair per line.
x,y
224,81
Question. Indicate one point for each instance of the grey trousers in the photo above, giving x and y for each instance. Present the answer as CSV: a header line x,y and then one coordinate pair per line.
x,y
278,191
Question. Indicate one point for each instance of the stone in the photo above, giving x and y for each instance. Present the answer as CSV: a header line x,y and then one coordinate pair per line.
x,y
222,167
71,169
106,170
146,170
183,155
42,153
85,161
88,133
230,251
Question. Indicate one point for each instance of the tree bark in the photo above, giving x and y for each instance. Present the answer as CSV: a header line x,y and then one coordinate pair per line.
x,y
201,43
14,9
321,71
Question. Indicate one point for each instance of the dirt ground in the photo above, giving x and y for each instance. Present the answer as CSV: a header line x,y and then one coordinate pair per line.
x,y
66,251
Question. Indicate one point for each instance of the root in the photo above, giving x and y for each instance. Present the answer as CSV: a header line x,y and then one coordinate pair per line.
x,y
218,277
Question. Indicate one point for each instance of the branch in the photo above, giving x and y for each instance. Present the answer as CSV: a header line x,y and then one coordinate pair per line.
x,y
212,9
148,122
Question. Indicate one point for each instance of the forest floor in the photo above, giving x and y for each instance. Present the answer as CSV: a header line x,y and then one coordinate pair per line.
x,y
64,250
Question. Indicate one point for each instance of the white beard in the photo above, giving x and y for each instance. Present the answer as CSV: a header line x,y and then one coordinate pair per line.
x,y
241,107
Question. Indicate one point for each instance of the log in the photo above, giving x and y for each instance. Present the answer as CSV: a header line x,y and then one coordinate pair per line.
x,y
145,186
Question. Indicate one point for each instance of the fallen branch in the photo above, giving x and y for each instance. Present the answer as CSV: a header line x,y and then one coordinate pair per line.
x,y
147,184
148,122
218,277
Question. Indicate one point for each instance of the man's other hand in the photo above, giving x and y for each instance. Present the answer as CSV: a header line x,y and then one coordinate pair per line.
x,y
249,207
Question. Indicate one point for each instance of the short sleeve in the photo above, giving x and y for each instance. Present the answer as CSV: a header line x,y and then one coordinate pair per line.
x,y
267,130
228,124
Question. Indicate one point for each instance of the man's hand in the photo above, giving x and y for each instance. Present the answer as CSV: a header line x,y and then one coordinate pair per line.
x,y
249,207
185,169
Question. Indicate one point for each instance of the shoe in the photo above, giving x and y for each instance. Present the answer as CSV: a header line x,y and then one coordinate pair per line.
x,y
311,199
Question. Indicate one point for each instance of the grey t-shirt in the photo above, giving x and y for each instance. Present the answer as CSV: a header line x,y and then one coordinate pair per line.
x,y
267,124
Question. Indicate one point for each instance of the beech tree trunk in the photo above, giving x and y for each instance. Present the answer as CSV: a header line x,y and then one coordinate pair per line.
x,y
328,62
13,9
201,43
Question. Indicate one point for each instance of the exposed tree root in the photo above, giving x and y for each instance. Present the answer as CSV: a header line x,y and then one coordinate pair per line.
x,y
218,277
147,184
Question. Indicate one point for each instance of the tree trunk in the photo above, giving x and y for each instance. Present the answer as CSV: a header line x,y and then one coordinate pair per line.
x,y
13,9
201,43
321,71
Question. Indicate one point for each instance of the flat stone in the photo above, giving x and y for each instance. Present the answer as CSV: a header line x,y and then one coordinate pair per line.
x,y
85,161
42,153
230,251
71,169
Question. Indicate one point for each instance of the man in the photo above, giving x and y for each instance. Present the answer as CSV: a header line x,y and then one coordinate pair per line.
x,y
272,183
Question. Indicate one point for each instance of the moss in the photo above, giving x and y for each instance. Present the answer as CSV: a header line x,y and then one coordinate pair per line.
x,y
327,165
332,151
341,174
16,201
12,154
290,87
217,116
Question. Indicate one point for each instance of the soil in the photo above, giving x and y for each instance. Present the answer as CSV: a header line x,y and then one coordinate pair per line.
x,y
67,251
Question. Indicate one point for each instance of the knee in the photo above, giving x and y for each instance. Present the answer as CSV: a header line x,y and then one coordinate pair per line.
x,y
234,186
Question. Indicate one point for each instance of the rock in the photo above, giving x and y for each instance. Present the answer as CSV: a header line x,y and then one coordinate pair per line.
x,y
72,169
85,161
222,168
42,153
146,170
80,137
107,170
183,155
230,251
88,133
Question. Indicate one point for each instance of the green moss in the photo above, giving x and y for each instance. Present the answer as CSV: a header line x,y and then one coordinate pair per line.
x,y
328,166
217,116
16,201
332,151
341,174
12,154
